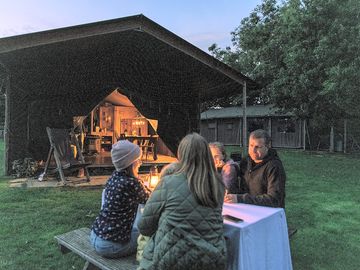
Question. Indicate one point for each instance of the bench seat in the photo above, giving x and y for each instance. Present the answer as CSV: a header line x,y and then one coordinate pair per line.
x,y
78,242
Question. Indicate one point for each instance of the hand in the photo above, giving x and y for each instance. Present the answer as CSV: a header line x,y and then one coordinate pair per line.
x,y
219,163
230,198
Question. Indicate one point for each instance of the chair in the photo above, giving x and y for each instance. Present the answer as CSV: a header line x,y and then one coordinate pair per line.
x,y
147,145
119,137
60,146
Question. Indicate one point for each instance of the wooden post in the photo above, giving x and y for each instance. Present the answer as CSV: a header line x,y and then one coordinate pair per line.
x,y
216,130
345,134
7,125
270,127
244,120
331,139
304,134
240,132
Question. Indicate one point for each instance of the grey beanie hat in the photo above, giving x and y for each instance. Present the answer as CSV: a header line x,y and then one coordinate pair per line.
x,y
124,153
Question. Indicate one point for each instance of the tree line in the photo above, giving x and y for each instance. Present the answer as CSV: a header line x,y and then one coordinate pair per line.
x,y
304,54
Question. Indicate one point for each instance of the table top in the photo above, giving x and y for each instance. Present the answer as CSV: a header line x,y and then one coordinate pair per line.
x,y
249,213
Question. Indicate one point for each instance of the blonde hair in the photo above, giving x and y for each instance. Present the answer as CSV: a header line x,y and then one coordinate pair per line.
x,y
168,169
196,162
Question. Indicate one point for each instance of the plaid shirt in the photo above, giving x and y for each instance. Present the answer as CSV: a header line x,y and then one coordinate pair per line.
x,y
123,194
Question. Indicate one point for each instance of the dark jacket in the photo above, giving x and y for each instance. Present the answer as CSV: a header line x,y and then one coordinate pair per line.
x,y
263,183
184,234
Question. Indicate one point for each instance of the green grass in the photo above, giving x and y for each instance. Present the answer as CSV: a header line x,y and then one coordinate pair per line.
x,y
322,203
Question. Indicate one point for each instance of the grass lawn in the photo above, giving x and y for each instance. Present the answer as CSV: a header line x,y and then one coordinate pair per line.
x,y
322,203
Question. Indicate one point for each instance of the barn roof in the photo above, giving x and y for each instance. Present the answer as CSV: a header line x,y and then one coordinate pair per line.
x,y
236,112
131,53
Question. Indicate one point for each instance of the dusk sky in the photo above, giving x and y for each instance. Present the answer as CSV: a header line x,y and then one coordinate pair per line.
x,y
201,22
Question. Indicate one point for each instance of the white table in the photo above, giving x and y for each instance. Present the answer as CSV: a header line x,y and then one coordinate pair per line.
x,y
259,242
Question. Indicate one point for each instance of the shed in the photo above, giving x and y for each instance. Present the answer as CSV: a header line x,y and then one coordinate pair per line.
x,y
225,125
51,76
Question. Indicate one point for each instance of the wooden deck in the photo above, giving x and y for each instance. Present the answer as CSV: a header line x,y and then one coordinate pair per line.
x,y
100,169
103,159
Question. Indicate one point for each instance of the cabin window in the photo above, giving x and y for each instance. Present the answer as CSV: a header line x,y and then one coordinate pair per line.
x,y
286,125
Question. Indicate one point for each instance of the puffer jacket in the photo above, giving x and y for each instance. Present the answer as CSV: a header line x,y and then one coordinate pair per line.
x,y
263,183
184,234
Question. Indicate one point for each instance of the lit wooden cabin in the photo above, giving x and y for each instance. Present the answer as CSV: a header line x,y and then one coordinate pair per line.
x,y
115,118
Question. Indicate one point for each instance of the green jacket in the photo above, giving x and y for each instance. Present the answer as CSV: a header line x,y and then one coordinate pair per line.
x,y
184,234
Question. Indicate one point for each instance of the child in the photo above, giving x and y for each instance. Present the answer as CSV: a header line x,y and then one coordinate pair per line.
x,y
113,231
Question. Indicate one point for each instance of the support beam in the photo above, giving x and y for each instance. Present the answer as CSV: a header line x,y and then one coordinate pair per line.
x,y
331,149
304,135
345,135
244,131
216,130
6,125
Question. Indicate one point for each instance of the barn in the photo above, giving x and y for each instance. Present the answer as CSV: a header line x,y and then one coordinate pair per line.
x,y
54,76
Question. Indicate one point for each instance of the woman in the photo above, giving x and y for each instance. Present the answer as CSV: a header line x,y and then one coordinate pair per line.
x,y
183,215
228,168
114,233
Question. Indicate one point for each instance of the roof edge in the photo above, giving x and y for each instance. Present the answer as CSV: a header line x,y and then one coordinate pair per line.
x,y
29,40
136,22
167,36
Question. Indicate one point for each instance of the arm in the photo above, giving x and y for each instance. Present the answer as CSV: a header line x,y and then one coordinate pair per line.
x,y
274,197
229,174
148,223
141,192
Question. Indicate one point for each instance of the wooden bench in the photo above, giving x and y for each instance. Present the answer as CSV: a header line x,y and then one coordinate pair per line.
x,y
78,242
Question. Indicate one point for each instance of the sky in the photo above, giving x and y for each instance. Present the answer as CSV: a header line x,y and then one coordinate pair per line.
x,y
200,22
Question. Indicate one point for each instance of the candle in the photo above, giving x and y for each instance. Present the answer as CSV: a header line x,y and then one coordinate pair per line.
x,y
154,179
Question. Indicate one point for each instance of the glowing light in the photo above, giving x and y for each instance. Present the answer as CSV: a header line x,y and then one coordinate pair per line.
x,y
154,179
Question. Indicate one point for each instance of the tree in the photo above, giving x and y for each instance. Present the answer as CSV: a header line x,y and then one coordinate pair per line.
x,y
304,53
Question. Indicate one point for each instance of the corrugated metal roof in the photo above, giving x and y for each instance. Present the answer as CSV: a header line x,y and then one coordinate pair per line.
x,y
235,112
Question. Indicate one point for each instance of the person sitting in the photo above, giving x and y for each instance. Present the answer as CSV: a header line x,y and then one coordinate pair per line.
x,y
183,216
263,175
228,168
114,232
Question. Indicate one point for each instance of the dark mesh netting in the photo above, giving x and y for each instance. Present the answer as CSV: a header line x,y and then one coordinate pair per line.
x,y
165,77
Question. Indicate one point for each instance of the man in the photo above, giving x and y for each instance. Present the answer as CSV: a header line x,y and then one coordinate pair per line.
x,y
262,174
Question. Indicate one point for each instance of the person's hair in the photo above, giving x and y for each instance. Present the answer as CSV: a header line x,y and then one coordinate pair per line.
x,y
261,134
130,170
168,169
219,146
196,162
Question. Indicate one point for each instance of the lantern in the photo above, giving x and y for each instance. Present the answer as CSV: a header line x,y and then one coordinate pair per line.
x,y
154,177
